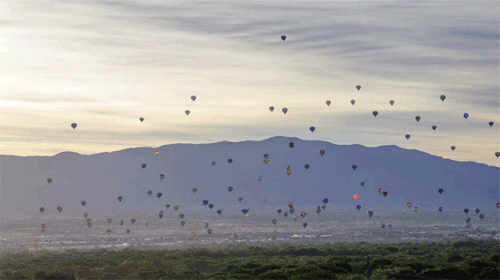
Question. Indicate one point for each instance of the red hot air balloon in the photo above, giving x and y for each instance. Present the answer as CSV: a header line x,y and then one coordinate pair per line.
x,y
356,196
452,148
143,165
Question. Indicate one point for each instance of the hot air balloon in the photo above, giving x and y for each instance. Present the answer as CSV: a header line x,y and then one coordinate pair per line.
x,y
497,205
354,167
204,202
290,204
491,124
167,206
193,234
230,189
477,210
85,215
443,97
323,206
132,221
417,118
109,220
83,202
440,209
362,184
289,170
230,161
284,110
356,196
318,209
437,227
266,160
219,212
325,200
312,128
285,214
162,176
149,192
194,190
212,162
380,191
274,221
407,136
434,127
183,223
245,211
121,223
328,102
291,145
481,216
49,180
295,217
467,220
383,226
141,119
321,152
370,213
271,109
279,211
187,112
181,216
264,200
42,209
385,193
193,98
415,209
452,148
160,215
375,113
59,208
466,210
358,207
211,206
391,102
353,101
159,194
440,190
108,232
466,115
176,207
209,231
304,224
43,226
73,125
358,87
283,37
497,154
127,231
291,209
143,165
157,153
266,155
408,204
240,199
303,214
260,178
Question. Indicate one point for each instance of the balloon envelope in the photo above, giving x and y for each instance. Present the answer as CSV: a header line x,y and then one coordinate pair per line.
x,y
328,102
271,108
358,87
73,125
312,128
283,37
284,110
193,98
353,101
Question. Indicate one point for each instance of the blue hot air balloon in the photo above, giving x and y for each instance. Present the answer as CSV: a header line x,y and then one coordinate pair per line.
x,y
159,194
312,128
325,200
466,115
358,206
205,202
491,123
230,189
230,160
440,209
306,166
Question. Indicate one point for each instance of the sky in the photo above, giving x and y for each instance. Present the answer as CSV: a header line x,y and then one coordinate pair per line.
x,y
105,64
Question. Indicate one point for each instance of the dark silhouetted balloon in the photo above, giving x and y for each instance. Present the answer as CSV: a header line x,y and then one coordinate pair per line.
x,y
283,37
73,125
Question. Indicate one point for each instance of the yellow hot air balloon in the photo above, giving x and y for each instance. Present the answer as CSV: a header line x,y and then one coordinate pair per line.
x,y
289,170
266,161
176,207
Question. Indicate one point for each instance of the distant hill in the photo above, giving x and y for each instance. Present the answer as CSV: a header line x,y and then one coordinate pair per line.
x,y
407,175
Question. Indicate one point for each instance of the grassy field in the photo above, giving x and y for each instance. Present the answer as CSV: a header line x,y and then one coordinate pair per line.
x,y
462,259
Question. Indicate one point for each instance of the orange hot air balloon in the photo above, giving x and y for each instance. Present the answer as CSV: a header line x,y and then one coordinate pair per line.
x,y
356,196
196,225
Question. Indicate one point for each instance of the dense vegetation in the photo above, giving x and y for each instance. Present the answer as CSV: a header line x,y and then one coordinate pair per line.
x,y
464,259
